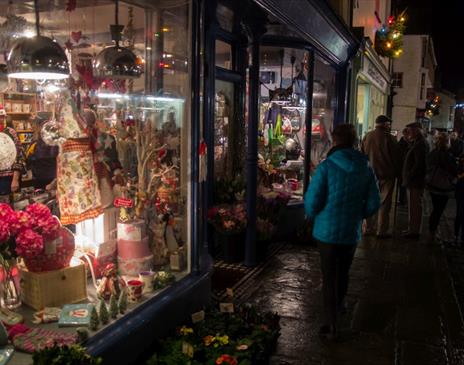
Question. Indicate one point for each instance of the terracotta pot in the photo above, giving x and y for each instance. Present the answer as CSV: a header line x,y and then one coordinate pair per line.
x,y
57,253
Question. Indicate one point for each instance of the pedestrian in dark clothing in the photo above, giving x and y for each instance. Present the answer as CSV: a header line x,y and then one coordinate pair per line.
x,y
403,147
414,170
342,192
457,145
459,193
441,171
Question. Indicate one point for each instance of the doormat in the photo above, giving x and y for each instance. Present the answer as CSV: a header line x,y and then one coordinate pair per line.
x,y
235,276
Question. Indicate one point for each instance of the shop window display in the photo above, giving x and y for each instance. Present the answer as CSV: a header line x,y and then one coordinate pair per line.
x,y
324,99
121,147
283,102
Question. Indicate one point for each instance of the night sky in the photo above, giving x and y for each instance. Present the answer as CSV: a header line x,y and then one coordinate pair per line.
x,y
444,20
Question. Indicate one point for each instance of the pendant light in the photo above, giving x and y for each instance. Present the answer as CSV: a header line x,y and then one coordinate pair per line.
x,y
37,58
117,62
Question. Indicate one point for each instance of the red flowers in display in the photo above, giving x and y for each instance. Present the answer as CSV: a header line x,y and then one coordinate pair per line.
x,y
226,359
29,228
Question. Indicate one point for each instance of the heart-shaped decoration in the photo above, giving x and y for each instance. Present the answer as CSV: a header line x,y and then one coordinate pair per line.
x,y
76,36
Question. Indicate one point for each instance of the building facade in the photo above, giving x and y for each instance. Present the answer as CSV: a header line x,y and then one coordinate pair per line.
x,y
445,117
413,77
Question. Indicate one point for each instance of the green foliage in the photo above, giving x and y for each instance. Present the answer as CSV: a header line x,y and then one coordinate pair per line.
x,y
247,336
113,307
103,312
82,334
64,355
228,191
94,319
163,279
122,301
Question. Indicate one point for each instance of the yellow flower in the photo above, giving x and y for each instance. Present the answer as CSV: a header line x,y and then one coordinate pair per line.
x,y
184,331
223,340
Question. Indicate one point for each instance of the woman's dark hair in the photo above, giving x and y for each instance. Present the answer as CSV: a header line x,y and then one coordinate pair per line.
x,y
345,134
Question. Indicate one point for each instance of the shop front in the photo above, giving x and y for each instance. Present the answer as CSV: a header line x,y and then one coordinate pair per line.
x,y
278,85
371,87
99,123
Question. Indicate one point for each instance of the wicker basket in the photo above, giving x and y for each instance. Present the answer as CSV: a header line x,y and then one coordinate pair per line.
x,y
54,288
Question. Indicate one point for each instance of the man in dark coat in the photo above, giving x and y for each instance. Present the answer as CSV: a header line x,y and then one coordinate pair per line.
x,y
414,170
382,150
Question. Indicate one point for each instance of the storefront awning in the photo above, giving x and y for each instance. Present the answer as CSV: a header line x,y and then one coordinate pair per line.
x,y
316,22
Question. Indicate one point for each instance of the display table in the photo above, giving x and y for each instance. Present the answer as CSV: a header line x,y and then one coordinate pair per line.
x,y
21,358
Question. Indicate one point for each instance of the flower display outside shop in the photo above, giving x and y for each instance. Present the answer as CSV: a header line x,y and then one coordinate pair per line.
x,y
242,338
228,218
270,205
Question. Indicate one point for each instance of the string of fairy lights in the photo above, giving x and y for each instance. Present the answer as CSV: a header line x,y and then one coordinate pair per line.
x,y
389,38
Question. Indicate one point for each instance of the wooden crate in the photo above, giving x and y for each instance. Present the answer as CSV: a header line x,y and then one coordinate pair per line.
x,y
54,288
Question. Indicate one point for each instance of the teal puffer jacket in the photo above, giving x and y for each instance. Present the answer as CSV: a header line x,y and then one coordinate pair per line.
x,y
342,193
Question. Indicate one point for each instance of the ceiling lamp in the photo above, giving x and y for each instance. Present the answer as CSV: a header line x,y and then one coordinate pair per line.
x,y
37,58
117,62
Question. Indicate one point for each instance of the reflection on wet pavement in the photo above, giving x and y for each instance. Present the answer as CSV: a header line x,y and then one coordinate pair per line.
x,y
402,307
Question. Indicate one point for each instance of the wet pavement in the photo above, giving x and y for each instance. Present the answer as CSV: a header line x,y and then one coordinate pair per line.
x,y
402,305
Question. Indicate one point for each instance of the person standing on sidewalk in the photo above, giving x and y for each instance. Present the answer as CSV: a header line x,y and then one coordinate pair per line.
x,y
383,152
457,145
403,147
414,170
441,172
342,193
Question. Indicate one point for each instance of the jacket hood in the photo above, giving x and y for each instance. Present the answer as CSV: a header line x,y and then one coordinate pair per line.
x,y
349,159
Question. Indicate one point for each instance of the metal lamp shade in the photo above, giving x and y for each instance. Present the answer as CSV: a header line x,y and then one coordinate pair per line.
x,y
37,58
117,63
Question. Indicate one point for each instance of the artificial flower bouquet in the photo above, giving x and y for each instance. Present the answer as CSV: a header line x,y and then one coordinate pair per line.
x,y
35,235
228,219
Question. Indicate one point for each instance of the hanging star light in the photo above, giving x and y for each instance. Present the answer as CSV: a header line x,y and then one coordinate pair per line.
x,y
389,38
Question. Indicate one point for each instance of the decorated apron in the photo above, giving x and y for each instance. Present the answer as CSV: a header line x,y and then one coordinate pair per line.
x,y
77,182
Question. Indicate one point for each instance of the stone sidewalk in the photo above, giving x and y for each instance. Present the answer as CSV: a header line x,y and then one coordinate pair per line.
x,y
402,307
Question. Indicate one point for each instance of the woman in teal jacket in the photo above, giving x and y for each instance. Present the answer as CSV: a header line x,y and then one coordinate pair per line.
x,y
342,193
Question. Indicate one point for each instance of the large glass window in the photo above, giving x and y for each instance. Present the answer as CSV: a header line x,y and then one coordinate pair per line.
x,y
283,102
115,151
324,103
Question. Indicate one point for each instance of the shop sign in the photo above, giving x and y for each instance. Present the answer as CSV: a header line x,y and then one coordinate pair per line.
x,y
374,76
123,202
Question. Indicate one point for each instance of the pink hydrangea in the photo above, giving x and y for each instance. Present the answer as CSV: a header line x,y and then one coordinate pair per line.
x,y
29,243
49,227
38,212
7,214
4,232
21,221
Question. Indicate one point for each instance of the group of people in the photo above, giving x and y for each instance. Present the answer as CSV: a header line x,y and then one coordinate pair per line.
x,y
352,193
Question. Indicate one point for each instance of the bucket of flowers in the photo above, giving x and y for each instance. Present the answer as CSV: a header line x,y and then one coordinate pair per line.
x,y
229,222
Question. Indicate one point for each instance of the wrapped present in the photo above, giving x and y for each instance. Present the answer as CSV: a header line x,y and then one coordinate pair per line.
x,y
132,231
133,267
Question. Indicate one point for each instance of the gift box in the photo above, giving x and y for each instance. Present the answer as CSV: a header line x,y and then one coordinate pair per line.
x,y
131,231
53,288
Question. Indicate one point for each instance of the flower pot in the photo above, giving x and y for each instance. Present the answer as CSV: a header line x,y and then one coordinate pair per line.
x,y
232,244
57,253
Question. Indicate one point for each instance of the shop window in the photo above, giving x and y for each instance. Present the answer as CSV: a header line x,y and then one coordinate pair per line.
x,y
283,103
225,17
323,111
223,54
397,79
128,144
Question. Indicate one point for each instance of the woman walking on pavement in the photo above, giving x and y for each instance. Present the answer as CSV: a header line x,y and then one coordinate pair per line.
x,y
441,171
342,193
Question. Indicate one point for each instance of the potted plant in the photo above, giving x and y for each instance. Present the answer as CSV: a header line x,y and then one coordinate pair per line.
x,y
229,222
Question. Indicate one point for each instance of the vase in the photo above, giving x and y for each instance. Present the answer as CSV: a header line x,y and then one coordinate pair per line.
x,y
57,253
232,244
10,293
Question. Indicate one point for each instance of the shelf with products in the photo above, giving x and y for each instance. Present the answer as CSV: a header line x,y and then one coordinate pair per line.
x,y
18,103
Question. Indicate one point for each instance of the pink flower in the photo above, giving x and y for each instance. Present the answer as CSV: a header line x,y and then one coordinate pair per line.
x,y
7,214
38,212
49,227
4,232
29,243
22,221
